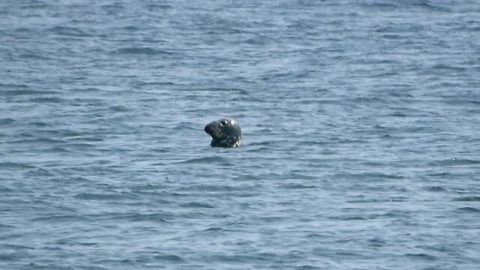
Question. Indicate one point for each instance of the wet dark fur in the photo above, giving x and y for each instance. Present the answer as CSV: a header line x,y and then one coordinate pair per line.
x,y
225,133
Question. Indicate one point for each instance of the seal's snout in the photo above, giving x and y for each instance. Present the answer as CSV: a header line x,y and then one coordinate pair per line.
x,y
207,129
212,130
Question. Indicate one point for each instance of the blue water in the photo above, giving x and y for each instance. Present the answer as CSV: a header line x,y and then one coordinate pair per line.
x,y
361,124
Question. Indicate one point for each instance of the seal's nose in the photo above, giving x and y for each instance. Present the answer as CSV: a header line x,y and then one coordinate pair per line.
x,y
208,128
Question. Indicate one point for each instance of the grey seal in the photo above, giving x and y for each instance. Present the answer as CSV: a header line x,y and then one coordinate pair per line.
x,y
225,133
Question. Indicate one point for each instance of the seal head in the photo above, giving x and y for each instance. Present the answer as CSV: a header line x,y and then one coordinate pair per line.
x,y
225,133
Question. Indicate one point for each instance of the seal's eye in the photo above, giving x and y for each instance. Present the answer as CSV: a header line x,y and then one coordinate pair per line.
x,y
223,122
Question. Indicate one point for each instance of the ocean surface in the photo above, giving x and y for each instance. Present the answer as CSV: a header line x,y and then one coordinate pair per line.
x,y
361,124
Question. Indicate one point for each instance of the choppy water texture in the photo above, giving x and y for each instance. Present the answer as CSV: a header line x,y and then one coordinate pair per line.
x,y
361,123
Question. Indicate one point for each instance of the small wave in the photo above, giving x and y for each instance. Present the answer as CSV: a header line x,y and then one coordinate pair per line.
x,y
6,121
214,229
448,67
15,165
34,56
39,124
369,99
196,205
468,199
212,188
350,217
3,226
143,50
59,218
14,247
4,190
157,7
39,140
368,176
297,186
101,197
237,258
47,100
23,90
454,162
119,108
142,84
206,160
169,258
423,4
156,217
69,31
11,256
422,256
435,189
462,102
184,126
219,90
469,209
133,263
307,267
247,177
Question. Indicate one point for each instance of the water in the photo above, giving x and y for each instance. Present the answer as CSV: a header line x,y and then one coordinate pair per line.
x,y
360,122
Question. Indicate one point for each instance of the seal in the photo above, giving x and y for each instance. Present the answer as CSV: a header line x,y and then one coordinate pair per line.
x,y
225,133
